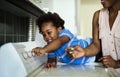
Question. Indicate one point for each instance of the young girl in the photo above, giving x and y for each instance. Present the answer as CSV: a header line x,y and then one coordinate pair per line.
x,y
58,38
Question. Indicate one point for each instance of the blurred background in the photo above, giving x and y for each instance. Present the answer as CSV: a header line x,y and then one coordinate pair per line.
x,y
18,17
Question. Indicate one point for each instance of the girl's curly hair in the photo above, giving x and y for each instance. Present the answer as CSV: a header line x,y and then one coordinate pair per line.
x,y
50,17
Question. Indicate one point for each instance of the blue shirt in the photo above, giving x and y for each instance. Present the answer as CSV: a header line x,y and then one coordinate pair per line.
x,y
62,54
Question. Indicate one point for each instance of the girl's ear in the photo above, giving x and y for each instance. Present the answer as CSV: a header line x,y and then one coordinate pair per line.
x,y
59,29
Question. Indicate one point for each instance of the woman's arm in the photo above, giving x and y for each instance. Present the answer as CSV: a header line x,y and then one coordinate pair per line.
x,y
94,48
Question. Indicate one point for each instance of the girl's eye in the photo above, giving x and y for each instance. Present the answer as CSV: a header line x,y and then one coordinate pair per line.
x,y
43,35
49,32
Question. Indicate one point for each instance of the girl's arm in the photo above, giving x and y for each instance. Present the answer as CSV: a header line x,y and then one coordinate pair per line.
x,y
56,44
52,46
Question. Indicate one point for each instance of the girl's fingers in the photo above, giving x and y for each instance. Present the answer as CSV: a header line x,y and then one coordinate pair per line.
x,y
50,65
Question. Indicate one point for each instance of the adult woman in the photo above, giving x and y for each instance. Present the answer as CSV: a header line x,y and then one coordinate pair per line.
x,y
106,35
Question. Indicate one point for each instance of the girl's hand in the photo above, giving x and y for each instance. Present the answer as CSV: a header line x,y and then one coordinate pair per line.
x,y
38,51
51,63
108,61
77,52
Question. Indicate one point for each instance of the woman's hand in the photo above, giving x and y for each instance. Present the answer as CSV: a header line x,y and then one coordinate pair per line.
x,y
77,52
38,51
108,61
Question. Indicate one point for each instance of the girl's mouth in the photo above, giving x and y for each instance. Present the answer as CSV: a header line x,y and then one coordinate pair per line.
x,y
49,41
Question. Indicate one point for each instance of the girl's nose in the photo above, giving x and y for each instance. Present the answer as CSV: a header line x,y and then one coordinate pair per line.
x,y
47,36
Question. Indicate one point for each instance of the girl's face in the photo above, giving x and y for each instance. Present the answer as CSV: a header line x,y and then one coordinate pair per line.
x,y
107,3
49,32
